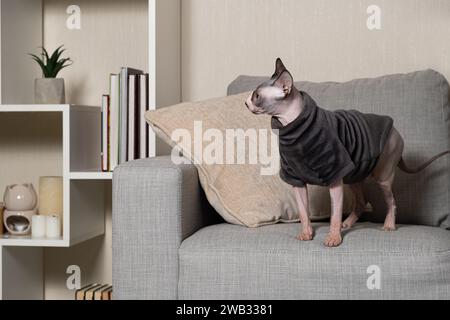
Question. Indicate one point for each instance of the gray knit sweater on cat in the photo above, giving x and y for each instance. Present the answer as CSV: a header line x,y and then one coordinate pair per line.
x,y
321,147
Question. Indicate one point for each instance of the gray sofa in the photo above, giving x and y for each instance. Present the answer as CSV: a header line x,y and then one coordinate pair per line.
x,y
168,243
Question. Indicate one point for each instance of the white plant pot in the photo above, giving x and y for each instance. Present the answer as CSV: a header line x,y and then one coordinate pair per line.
x,y
49,91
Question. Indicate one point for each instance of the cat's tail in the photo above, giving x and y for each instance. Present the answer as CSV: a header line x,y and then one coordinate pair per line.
x,y
402,165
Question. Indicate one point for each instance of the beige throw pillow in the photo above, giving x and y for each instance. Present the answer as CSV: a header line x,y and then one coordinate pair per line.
x,y
220,136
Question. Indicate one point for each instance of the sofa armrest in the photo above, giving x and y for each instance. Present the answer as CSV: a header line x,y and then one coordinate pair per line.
x,y
156,204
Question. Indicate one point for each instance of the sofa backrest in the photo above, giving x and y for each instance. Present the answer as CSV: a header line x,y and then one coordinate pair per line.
x,y
419,104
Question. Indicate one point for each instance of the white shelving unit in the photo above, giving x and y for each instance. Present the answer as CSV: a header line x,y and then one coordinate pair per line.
x,y
21,258
75,154
83,216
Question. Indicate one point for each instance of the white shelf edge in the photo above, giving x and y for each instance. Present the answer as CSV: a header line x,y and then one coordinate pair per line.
x,y
27,241
34,107
86,175
46,107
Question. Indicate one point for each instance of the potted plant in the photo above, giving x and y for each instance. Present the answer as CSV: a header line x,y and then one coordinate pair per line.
x,y
49,89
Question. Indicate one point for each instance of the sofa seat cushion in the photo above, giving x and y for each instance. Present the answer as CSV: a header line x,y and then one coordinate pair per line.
x,y
227,261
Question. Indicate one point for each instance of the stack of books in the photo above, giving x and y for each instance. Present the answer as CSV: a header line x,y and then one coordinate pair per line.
x,y
125,134
94,291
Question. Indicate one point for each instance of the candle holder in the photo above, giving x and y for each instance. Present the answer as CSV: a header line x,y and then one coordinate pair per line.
x,y
18,223
20,201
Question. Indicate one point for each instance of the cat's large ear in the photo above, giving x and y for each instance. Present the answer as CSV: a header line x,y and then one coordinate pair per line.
x,y
279,68
284,82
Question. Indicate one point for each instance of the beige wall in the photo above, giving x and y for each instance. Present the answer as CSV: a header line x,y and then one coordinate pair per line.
x,y
318,40
113,34
21,33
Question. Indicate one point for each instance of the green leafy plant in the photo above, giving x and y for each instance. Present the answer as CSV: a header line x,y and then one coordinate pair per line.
x,y
51,65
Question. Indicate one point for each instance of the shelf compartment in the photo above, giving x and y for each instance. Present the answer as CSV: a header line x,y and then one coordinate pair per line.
x,y
87,205
57,138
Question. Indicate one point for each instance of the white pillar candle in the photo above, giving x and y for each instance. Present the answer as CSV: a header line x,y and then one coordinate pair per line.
x,y
38,226
53,227
51,196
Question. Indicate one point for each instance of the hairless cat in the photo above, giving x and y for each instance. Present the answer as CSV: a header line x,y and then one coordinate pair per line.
x,y
330,148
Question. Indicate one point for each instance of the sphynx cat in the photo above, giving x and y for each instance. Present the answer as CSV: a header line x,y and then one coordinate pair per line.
x,y
316,147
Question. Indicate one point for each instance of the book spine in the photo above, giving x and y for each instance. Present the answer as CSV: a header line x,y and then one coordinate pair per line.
x,y
108,136
107,295
142,110
137,122
93,292
123,116
114,121
147,108
103,294
80,294
131,116
104,135
124,111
